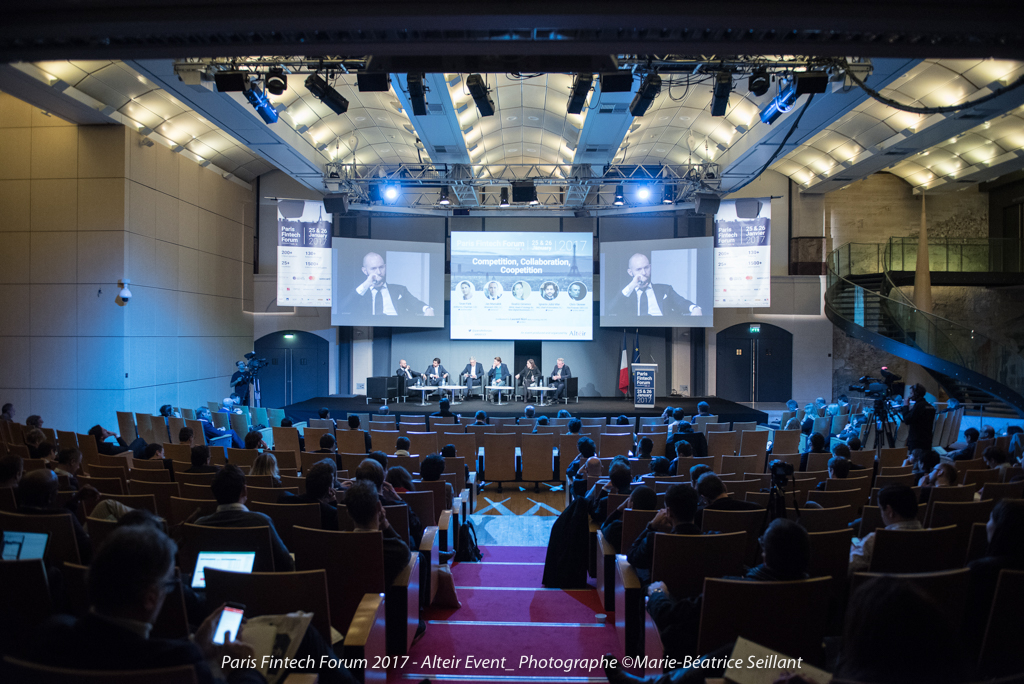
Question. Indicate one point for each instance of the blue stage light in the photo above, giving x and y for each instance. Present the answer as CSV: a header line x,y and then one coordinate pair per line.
x,y
258,99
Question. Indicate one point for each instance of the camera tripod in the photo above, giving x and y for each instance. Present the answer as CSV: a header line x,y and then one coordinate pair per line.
x,y
884,423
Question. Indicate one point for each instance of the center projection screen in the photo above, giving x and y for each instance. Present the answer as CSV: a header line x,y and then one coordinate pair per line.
x,y
522,286
657,283
388,283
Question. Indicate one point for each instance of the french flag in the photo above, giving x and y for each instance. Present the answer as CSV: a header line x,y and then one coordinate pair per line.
x,y
624,367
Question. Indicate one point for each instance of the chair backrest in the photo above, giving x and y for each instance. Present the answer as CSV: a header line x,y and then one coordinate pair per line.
x,y
286,439
700,423
538,457
438,490
854,498
422,504
61,547
633,523
349,441
928,550
980,477
750,522
885,480
353,561
163,491
742,464
615,444
786,442
201,479
822,519
268,494
830,556
1003,490
239,423
891,457
950,588
723,443
179,453
816,461
261,416
714,426
150,474
423,443
182,509
895,470
736,608
26,598
465,446
273,593
964,493
683,561
287,516
457,467
275,416
126,426
1000,651
196,538
754,443
962,514
500,457
198,435
149,464
119,472
105,485
221,420
144,501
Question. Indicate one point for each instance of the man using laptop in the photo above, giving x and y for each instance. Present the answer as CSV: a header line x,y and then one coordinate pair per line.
x,y
229,489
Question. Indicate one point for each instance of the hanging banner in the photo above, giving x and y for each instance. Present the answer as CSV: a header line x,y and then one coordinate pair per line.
x,y
743,253
303,254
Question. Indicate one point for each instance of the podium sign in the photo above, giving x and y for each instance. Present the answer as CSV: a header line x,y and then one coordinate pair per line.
x,y
644,375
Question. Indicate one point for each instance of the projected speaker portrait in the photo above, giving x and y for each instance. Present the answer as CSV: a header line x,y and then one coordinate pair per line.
x,y
388,283
522,286
655,283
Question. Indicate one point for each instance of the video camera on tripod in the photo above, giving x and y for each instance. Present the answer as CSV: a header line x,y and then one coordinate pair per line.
x,y
887,417
879,388
253,366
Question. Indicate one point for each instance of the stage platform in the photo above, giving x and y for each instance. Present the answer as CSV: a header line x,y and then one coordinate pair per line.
x,y
341,406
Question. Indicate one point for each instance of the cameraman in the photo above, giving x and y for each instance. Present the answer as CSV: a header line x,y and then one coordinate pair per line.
x,y
240,381
920,418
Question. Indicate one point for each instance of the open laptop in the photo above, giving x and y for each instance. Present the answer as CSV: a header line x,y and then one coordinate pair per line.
x,y
233,561
24,545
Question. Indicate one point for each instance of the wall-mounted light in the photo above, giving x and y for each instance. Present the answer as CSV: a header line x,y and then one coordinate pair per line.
x,y
289,336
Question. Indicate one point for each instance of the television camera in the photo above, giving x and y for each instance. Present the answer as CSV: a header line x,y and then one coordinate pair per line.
x,y
882,390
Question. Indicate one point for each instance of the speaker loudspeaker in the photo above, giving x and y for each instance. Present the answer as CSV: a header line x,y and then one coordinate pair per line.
x,y
748,208
291,209
336,204
707,203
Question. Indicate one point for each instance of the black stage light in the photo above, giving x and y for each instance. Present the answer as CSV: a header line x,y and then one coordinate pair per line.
x,y
323,91
336,203
373,83
504,198
443,196
669,195
417,94
649,89
720,95
481,96
759,82
620,198
277,81
578,96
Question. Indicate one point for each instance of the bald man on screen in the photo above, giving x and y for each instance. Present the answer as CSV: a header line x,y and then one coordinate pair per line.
x,y
641,298
377,297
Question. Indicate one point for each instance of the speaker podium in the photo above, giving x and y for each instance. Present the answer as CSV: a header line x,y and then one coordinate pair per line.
x,y
644,375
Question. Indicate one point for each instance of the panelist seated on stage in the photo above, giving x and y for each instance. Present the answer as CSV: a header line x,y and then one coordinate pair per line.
x,y
498,375
435,375
473,373
530,376
375,296
641,297
559,376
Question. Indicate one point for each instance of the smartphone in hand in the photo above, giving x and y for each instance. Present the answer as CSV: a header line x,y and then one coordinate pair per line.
x,y
229,623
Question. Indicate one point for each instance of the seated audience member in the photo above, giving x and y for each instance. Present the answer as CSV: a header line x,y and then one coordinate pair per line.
x,y
697,471
37,495
200,457
46,451
400,479
34,421
642,499
325,414
69,462
676,518
380,457
666,415
402,446
838,469
815,445
541,422
186,436
11,470
574,426
965,453
681,449
1005,551
7,412
367,513
328,445
622,420
996,459
703,408
101,436
712,491
586,449
254,440
921,461
205,417
372,471
1016,434
444,410
152,452
287,422
562,413
529,412
684,432
481,418
384,410
619,481
229,490
899,512
842,450
266,464
792,424
942,475
987,432
319,490
430,471
660,466
810,413
353,424
854,443
644,447
33,439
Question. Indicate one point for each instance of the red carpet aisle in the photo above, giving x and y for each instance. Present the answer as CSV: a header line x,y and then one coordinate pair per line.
x,y
507,614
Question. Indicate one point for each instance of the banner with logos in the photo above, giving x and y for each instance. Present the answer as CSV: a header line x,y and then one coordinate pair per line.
x,y
743,253
303,255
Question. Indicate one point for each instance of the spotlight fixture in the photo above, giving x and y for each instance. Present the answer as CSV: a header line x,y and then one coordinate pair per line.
x,y
578,95
759,82
504,198
619,197
258,99
334,174
780,104
323,91
390,192
649,89
720,95
481,95
443,196
643,192
668,196
417,94
276,81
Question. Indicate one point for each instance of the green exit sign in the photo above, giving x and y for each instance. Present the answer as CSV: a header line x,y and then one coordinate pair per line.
x,y
755,327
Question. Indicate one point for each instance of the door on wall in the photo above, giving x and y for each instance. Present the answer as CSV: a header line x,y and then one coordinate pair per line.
x,y
297,367
755,363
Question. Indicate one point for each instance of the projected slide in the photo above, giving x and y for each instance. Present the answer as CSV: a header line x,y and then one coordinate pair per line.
x,y
303,254
657,283
743,253
522,286
388,283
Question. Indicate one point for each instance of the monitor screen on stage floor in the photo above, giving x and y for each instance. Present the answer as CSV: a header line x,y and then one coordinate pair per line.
x,y
657,283
388,283
522,286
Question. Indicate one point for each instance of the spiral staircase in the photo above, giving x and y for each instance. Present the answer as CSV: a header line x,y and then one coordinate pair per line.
x,y
864,300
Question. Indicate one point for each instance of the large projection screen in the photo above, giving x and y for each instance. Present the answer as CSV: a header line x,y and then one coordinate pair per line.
x,y
657,283
388,283
522,286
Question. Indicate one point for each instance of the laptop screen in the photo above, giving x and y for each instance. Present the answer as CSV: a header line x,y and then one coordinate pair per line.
x,y
24,545
233,561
